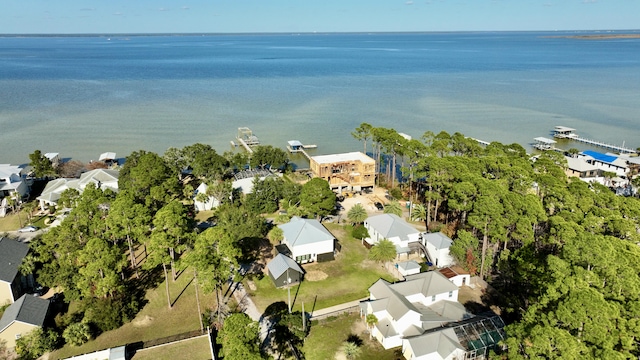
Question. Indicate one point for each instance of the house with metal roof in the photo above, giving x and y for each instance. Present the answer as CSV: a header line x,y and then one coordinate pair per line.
x,y
606,162
284,271
409,308
11,180
12,283
23,316
308,240
579,167
438,245
393,228
101,178
423,316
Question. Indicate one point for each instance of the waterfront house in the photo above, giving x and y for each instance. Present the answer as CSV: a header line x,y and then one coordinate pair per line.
x,y
308,240
54,158
579,167
22,317
350,171
101,178
605,162
12,282
12,181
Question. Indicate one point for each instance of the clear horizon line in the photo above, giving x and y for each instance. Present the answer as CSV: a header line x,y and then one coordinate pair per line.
x,y
99,34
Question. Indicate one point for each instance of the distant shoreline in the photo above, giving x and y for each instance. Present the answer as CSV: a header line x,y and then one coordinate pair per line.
x,y
598,36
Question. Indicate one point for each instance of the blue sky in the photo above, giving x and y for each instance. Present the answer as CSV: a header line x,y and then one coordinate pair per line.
x,y
239,16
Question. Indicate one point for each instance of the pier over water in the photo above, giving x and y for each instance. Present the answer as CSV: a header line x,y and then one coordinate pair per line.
x,y
563,132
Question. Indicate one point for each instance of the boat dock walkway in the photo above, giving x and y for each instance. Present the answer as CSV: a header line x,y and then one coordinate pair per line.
x,y
563,132
295,146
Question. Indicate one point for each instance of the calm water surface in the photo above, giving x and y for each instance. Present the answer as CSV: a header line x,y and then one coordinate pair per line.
x,y
82,96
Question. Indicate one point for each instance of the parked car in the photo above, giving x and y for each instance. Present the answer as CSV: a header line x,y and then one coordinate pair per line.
x,y
379,206
29,228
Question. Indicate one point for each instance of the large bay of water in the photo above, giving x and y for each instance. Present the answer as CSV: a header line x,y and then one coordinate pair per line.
x,y
81,96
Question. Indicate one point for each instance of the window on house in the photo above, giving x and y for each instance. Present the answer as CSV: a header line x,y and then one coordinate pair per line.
x,y
450,293
18,336
433,298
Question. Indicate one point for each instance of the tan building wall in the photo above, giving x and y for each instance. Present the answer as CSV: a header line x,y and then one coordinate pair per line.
x,y
5,293
344,170
16,328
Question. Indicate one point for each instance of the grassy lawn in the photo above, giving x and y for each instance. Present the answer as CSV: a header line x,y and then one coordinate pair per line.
x,y
196,349
154,321
326,339
11,222
348,278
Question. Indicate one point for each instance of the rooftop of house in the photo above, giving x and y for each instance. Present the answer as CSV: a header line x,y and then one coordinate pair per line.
x,y
11,255
27,309
299,231
344,157
438,240
281,263
390,226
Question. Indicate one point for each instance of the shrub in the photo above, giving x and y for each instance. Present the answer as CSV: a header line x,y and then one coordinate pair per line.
x,y
108,314
77,334
36,343
359,232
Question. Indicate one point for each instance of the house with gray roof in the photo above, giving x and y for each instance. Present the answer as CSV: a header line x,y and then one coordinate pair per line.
x,y
393,228
12,180
26,314
409,308
284,271
438,245
423,316
438,345
12,283
100,178
308,240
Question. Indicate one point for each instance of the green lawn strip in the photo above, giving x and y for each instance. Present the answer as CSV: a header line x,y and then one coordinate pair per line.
x,y
11,222
154,321
348,279
196,349
327,337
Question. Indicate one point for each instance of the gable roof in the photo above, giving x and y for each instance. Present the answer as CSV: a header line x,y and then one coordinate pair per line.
x,y
11,255
27,309
390,226
100,177
443,343
438,240
299,231
428,284
280,264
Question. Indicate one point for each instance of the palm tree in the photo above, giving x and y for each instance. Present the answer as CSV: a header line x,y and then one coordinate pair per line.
x,y
351,350
357,214
393,208
371,321
384,251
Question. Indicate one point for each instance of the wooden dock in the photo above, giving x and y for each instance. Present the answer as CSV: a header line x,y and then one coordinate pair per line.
x,y
563,132
246,139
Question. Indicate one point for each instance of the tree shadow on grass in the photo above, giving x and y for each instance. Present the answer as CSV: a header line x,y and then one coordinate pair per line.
x,y
182,292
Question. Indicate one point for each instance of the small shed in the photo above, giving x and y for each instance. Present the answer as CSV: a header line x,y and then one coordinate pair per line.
x,y
408,267
284,271
456,275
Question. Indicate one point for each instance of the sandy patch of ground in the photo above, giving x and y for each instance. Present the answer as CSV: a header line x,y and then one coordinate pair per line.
x,y
315,275
144,321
